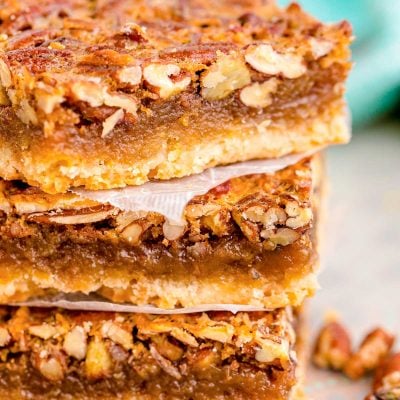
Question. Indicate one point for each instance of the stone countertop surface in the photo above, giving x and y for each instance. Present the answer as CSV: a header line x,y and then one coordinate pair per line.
x,y
360,277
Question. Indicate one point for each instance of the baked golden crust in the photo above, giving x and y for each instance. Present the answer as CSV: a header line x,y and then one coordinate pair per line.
x,y
48,353
92,98
247,241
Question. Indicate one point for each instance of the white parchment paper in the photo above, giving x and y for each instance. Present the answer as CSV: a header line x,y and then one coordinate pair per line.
x,y
95,302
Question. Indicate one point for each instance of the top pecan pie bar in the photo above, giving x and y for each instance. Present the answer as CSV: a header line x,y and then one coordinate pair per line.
x,y
104,94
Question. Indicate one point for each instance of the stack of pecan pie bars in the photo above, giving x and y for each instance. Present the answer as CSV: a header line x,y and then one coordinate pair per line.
x,y
101,95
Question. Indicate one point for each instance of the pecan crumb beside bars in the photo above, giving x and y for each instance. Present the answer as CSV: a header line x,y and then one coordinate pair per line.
x,y
47,354
104,94
251,241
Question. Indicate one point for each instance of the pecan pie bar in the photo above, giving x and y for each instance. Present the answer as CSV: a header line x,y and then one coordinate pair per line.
x,y
104,94
50,353
248,241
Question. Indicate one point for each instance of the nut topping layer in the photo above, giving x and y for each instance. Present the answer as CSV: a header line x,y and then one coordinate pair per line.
x,y
82,56
95,345
274,210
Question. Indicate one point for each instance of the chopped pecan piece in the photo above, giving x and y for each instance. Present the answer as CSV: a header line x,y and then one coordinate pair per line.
x,y
166,78
165,364
259,94
333,346
98,360
386,384
44,331
51,366
117,334
5,337
373,349
225,76
75,343
265,59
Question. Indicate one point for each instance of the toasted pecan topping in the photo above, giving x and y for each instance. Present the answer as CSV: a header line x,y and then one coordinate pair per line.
x,y
166,48
272,210
93,345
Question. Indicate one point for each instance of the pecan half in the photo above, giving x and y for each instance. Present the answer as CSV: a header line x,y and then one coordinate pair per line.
x,y
373,349
386,384
333,346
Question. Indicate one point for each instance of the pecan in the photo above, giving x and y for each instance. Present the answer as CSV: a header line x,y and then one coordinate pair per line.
x,y
130,75
26,113
125,218
165,364
132,233
167,349
125,102
298,216
271,350
133,32
262,218
160,76
44,331
173,231
386,384
96,95
5,337
75,343
211,215
265,59
223,77
48,98
219,333
72,217
320,47
98,362
256,214
196,210
333,346
89,92
29,39
110,122
219,223
373,349
184,337
51,365
259,94
5,74
205,359
117,334
281,237
51,368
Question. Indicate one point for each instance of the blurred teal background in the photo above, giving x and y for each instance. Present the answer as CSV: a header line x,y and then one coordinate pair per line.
x,y
374,84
